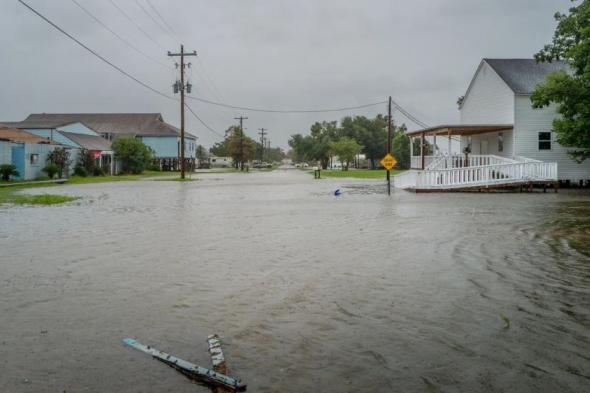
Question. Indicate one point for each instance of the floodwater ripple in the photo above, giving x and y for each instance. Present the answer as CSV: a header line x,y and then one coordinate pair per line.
x,y
311,292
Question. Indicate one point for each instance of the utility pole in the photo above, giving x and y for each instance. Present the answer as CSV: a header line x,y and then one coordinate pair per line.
x,y
262,133
181,86
389,143
241,119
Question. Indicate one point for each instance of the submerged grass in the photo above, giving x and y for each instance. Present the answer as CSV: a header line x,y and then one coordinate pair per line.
x,y
359,173
13,195
106,179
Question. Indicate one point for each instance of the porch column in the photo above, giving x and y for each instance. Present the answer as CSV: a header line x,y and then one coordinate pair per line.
x,y
411,152
449,135
434,147
423,140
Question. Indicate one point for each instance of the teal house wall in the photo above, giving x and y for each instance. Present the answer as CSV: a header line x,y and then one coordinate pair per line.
x,y
168,146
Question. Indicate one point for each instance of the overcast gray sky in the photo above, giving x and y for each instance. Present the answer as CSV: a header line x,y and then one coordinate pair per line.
x,y
281,54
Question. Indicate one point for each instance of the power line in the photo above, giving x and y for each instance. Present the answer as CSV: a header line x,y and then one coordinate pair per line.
x,y
122,71
129,44
154,20
136,25
119,69
163,20
202,122
251,109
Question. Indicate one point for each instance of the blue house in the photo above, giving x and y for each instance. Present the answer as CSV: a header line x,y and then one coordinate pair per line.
x,y
150,128
27,152
77,136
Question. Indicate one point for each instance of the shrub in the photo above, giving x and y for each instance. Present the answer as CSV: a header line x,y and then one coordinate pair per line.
x,y
51,170
79,170
135,156
60,156
7,170
98,171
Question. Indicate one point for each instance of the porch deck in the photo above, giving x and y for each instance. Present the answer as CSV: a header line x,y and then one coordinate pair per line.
x,y
455,173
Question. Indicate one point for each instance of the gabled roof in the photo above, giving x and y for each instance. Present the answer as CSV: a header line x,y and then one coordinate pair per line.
x,y
15,135
136,124
523,75
88,142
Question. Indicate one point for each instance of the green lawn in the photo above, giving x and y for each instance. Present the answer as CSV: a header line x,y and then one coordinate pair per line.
x,y
13,195
105,179
359,173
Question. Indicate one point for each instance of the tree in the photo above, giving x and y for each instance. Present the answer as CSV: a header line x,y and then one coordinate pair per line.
x,y
7,170
201,152
346,149
370,133
400,147
51,170
219,149
86,161
60,156
134,155
240,147
571,92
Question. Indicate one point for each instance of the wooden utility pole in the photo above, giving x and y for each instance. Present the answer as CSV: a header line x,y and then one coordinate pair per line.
x,y
389,143
181,87
262,133
241,119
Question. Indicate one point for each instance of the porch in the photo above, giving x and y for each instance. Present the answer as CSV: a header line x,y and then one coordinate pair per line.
x,y
434,170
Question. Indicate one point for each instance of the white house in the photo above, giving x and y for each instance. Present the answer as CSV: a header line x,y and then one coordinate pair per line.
x,y
501,128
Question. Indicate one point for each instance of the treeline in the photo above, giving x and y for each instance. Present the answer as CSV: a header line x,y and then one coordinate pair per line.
x,y
352,136
243,149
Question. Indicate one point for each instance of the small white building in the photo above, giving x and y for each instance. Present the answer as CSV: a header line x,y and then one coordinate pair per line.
x,y
500,128
220,162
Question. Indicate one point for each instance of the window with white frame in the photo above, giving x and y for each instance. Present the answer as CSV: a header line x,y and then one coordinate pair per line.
x,y
544,140
34,159
500,141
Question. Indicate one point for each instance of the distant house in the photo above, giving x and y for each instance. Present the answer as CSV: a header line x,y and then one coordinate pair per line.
x,y
27,152
150,128
499,128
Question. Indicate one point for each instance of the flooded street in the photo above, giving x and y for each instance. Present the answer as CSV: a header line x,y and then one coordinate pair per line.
x,y
311,292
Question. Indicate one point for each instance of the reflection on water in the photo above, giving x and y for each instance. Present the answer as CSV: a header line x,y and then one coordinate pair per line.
x,y
312,292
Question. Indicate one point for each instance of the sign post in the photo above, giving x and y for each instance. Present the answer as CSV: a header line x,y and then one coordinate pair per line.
x,y
388,162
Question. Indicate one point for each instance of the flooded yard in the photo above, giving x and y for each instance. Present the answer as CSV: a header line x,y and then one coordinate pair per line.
x,y
311,292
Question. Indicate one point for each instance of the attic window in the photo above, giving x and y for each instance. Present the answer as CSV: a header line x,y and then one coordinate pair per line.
x,y
544,140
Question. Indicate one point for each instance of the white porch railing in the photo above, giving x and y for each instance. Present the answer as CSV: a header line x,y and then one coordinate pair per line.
x,y
493,170
416,161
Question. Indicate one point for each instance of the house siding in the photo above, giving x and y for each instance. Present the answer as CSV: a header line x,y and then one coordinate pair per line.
x,y
492,139
31,171
53,135
528,123
167,147
77,128
489,100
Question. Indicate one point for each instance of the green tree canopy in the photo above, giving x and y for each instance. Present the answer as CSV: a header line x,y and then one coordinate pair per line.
x,y
570,91
346,149
135,156
400,148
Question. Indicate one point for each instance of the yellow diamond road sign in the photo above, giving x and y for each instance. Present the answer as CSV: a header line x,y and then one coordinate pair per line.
x,y
388,162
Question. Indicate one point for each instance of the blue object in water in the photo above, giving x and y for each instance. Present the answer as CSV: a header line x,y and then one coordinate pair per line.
x,y
337,192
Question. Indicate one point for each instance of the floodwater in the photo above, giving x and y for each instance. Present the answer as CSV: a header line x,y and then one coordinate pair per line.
x,y
311,292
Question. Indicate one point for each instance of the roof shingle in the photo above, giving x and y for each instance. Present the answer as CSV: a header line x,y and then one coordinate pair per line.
x,y
135,124
523,75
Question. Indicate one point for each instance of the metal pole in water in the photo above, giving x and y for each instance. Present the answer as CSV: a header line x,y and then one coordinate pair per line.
x,y
389,143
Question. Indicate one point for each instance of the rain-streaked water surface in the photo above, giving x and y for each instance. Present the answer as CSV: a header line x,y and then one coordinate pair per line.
x,y
312,293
